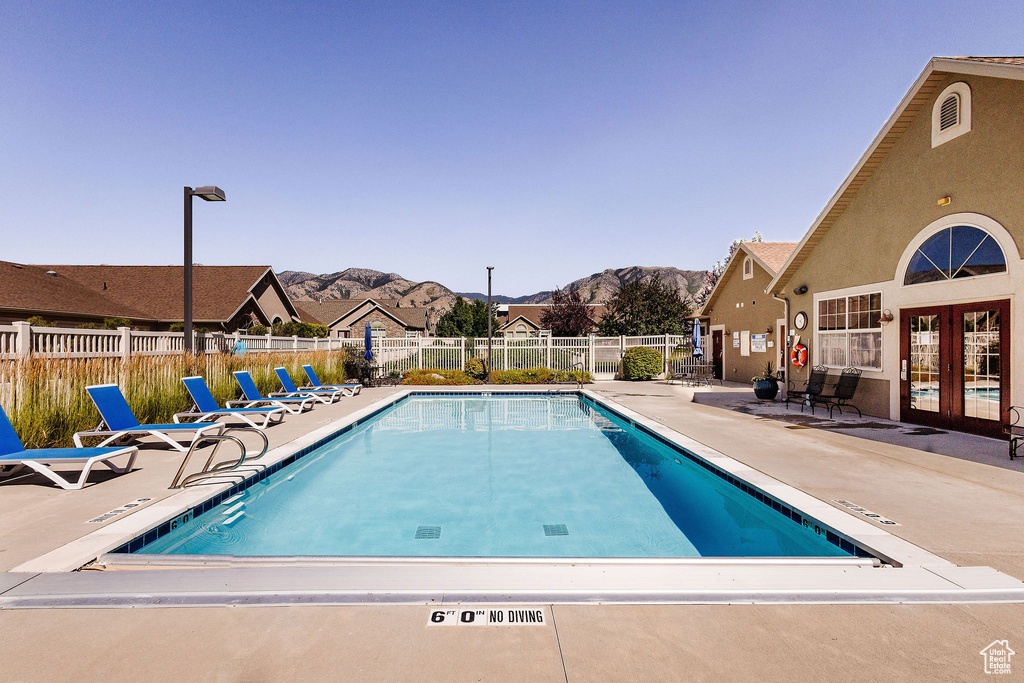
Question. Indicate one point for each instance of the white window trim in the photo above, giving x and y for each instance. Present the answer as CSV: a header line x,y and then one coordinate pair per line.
x,y
818,333
963,91
748,268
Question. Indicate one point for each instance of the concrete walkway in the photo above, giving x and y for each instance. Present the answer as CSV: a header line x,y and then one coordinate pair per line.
x,y
967,512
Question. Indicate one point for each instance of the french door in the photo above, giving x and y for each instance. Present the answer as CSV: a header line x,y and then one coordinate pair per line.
x,y
955,366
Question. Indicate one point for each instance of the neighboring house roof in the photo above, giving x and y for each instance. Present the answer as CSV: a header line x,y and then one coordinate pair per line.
x,y
768,255
531,312
218,292
28,288
913,102
342,312
326,312
519,319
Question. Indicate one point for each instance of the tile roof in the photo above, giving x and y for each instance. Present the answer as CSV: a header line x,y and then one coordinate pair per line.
x,y
325,312
772,254
1018,61
29,288
217,291
330,311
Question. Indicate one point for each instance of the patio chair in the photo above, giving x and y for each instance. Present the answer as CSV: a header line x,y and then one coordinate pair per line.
x,y
315,383
842,392
811,391
253,397
204,407
321,395
118,422
14,456
1014,430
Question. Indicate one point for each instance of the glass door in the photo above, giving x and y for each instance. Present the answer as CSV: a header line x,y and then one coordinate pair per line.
x,y
924,368
981,348
955,366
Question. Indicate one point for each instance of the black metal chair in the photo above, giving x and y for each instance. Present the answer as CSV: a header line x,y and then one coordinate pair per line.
x,y
842,393
814,387
1014,430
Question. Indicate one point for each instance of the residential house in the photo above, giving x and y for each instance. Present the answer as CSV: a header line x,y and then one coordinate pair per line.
x,y
225,298
348,317
523,320
747,327
912,270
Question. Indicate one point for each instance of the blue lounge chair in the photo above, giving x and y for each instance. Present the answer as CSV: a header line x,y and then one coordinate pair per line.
x,y
13,457
315,383
253,397
117,421
321,395
205,407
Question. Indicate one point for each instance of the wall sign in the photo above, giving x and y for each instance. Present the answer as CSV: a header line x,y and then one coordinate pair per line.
x,y
758,343
488,616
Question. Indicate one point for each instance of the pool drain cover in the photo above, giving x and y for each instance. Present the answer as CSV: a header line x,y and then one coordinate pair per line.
x,y
555,530
428,532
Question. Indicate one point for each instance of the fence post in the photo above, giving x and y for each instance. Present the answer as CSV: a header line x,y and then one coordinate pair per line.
x,y
591,364
547,353
126,342
665,358
22,338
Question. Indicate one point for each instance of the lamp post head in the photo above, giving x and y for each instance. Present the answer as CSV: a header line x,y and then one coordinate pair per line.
x,y
210,193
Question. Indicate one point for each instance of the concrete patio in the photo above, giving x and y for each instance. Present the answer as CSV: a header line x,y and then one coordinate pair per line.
x,y
965,507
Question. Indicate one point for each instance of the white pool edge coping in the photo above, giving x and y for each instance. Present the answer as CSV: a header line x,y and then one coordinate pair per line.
x,y
980,586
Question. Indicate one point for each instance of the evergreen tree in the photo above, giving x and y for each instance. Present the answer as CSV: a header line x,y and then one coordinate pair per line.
x,y
466,319
645,307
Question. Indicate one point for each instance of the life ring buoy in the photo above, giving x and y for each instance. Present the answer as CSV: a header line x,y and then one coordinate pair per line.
x,y
798,356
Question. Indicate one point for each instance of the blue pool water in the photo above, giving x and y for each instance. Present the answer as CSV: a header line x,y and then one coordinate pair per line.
x,y
494,476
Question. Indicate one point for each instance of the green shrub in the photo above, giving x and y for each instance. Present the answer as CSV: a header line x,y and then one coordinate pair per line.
x,y
437,377
257,330
39,321
537,376
641,362
476,368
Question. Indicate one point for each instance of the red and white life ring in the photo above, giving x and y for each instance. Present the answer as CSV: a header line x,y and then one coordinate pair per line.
x,y
798,356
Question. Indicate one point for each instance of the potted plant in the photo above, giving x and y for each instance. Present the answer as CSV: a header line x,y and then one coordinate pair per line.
x,y
766,385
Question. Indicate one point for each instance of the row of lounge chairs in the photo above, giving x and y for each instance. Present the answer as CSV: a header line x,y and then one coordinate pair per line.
x,y
203,422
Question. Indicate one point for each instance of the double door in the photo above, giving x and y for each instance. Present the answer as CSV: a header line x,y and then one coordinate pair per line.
x,y
955,366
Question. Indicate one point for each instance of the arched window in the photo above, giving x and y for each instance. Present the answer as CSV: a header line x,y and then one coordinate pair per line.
x,y
953,253
377,329
748,268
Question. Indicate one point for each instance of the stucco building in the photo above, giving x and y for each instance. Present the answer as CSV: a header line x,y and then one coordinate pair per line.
x,y
913,269
745,325
348,317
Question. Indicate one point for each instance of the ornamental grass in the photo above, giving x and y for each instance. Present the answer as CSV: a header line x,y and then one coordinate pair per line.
x,y
46,401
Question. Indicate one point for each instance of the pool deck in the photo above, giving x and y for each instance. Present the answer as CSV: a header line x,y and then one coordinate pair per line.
x,y
966,508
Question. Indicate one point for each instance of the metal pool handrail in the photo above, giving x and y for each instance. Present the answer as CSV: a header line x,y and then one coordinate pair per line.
x,y
221,467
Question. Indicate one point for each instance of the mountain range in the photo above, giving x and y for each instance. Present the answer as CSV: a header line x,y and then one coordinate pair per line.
x,y
363,283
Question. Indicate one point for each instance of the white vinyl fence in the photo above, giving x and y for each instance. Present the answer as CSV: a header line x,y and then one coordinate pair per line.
x,y
600,356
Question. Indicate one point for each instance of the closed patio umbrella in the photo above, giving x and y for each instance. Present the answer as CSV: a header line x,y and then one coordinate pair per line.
x,y
368,339
698,351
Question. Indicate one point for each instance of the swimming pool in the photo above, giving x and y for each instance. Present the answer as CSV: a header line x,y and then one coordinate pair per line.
x,y
527,475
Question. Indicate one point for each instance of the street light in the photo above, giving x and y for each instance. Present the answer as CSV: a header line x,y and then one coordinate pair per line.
x,y
489,269
210,193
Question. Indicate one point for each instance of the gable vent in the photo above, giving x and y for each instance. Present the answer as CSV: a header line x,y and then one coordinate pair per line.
x,y
949,115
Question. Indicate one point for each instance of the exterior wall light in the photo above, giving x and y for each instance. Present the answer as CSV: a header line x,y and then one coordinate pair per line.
x,y
886,317
802,289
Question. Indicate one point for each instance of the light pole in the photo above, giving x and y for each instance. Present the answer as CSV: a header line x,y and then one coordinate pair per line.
x,y
489,269
210,193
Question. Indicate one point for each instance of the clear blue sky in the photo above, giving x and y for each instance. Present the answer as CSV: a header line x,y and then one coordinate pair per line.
x,y
548,139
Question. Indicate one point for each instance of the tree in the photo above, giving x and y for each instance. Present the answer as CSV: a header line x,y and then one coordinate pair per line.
x,y
644,307
466,319
715,274
568,315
